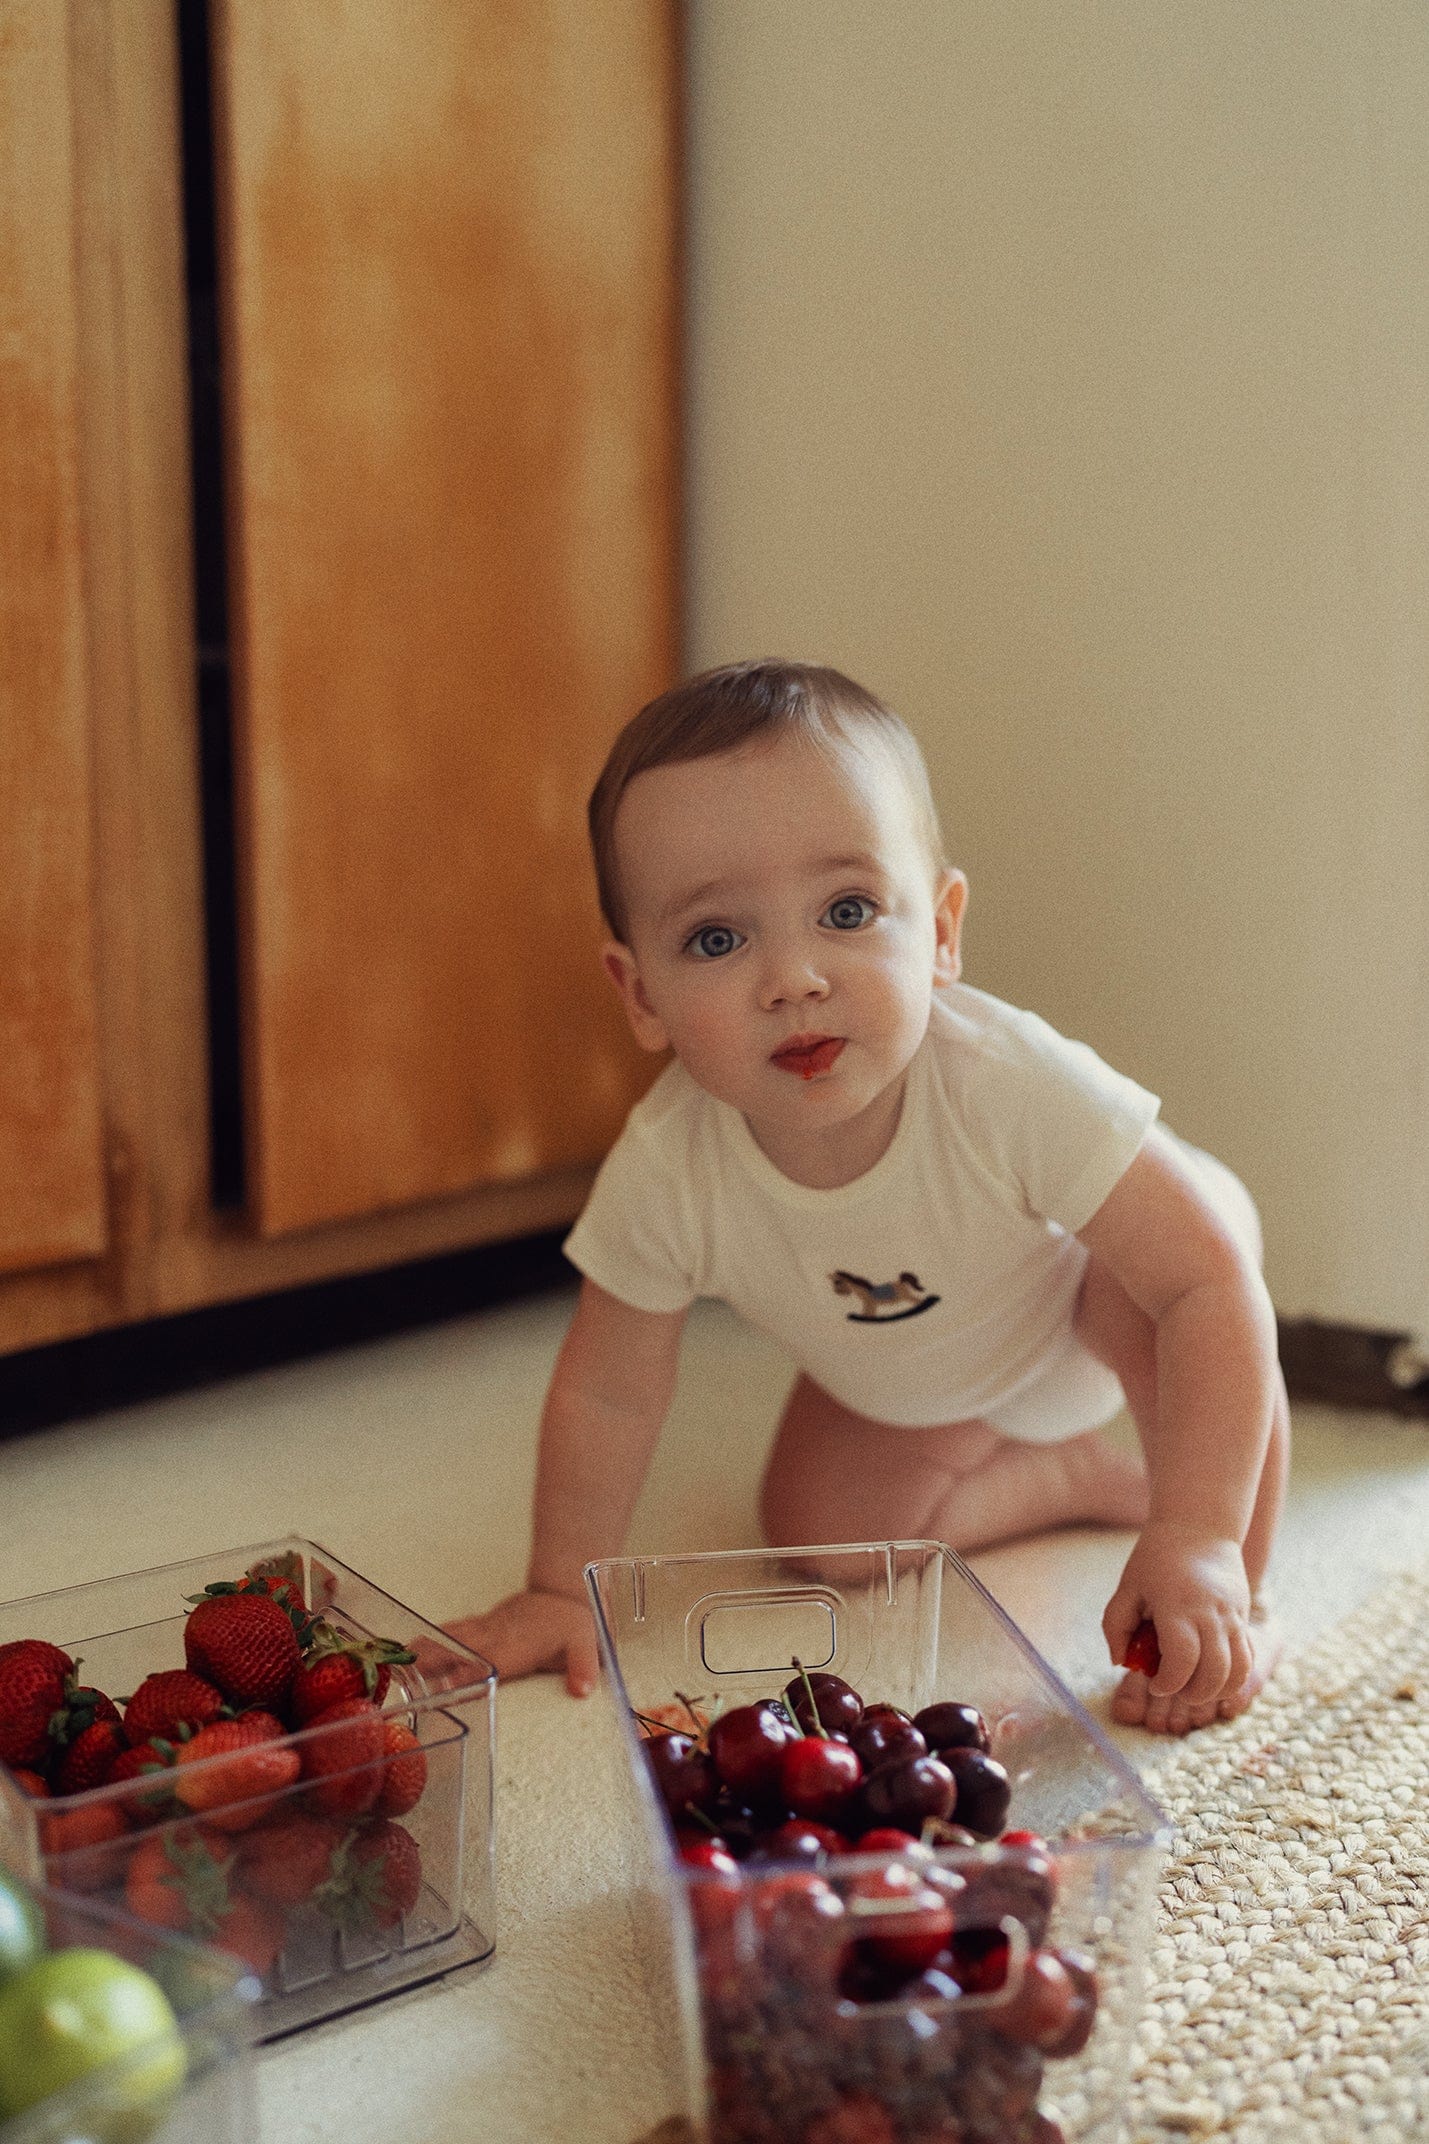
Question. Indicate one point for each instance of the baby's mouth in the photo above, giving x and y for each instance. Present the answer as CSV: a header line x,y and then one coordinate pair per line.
x,y
808,1055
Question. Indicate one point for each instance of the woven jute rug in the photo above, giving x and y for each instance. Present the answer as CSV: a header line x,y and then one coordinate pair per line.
x,y
1288,1993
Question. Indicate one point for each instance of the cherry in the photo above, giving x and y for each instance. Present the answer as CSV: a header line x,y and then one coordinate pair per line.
x,y
1022,1885
801,1921
683,1774
1042,2007
935,1984
918,1923
908,1790
709,1853
884,1839
825,1699
746,1745
877,1740
952,1727
817,1774
798,1840
1082,1974
984,1791
980,1959
1143,1650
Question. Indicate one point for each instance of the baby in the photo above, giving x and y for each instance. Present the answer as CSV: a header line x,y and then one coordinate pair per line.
x,y
972,1235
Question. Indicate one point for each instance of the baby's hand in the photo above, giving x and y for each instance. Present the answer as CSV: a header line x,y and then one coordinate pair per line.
x,y
530,1633
1193,1587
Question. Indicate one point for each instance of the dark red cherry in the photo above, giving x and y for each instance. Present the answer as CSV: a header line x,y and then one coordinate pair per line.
x,y
709,1853
836,1703
908,1791
883,1839
878,1740
915,1924
746,1745
800,1918
683,1774
1042,2008
816,1775
933,1985
952,1727
980,1959
797,1840
984,1791
1082,1973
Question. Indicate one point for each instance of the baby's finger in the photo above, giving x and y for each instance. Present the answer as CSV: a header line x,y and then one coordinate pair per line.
x,y
1212,1669
1123,1613
1180,1651
582,1664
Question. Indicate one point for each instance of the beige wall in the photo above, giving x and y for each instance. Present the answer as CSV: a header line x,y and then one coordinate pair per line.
x,y
1062,370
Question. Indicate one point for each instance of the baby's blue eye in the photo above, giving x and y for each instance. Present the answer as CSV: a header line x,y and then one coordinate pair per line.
x,y
849,912
713,941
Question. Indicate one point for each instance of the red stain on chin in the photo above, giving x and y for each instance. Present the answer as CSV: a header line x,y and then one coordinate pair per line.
x,y
809,1059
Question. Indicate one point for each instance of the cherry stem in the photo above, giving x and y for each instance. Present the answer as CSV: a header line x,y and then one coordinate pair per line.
x,y
656,1727
700,1725
700,1818
818,1727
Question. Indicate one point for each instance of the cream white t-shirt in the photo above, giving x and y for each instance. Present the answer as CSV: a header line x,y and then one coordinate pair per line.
x,y
931,1288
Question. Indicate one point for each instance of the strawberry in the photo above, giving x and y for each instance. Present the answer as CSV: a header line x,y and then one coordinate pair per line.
x,y
235,1794
83,1707
245,1644
152,1761
78,1846
164,1703
1143,1652
90,1759
376,1878
266,1582
179,1879
286,1860
252,1930
32,1690
30,1783
404,1776
336,1667
345,1761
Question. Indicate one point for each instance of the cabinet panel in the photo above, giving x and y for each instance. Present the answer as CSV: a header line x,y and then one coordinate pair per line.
x,y
52,1177
447,280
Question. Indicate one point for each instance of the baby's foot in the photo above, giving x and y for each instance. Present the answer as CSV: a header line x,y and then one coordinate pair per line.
x,y
1134,1706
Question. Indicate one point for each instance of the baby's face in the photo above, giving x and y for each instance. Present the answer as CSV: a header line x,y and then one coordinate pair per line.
x,y
786,929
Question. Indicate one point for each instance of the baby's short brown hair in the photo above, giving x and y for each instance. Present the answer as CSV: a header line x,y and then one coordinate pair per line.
x,y
746,703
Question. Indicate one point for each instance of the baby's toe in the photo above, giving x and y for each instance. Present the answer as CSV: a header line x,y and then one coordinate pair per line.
x,y
1186,1717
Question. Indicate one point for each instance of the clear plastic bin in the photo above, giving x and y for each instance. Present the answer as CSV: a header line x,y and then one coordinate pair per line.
x,y
767,2041
123,1629
213,1999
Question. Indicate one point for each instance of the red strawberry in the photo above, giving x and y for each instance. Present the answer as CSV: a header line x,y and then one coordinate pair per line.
x,y
345,1761
152,1761
1143,1652
376,1879
179,1879
245,1644
78,1845
337,1667
32,1690
235,1794
164,1703
267,1582
404,1776
252,1931
286,1860
91,1757
30,1783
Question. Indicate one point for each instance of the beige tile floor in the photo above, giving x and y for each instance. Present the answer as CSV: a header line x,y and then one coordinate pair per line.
x,y
412,1458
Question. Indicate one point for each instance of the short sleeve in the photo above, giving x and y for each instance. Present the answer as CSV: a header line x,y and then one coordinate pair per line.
x,y
635,1237
1064,1125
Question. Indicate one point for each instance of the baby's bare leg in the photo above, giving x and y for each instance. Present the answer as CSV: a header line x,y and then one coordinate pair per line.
x,y
834,1475
1124,1338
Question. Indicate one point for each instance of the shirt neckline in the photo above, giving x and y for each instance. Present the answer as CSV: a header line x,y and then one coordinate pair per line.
x,y
771,1178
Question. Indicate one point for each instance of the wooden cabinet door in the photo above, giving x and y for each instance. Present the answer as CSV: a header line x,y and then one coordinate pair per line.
x,y
447,280
53,1196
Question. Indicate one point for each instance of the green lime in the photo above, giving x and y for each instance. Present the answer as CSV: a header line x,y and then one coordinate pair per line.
x,y
22,1928
69,2014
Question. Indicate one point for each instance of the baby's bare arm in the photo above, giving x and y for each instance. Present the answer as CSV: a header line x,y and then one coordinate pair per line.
x,y
1215,1363
609,1395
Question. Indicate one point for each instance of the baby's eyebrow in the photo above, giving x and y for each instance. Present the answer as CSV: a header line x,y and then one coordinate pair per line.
x,y
713,889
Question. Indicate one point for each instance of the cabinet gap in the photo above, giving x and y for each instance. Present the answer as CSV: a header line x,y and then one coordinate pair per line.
x,y
227,1161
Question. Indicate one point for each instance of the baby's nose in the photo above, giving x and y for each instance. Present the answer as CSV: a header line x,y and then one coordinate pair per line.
x,y
791,977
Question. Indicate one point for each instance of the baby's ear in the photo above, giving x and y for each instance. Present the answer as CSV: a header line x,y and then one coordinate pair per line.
x,y
950,905
619,964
